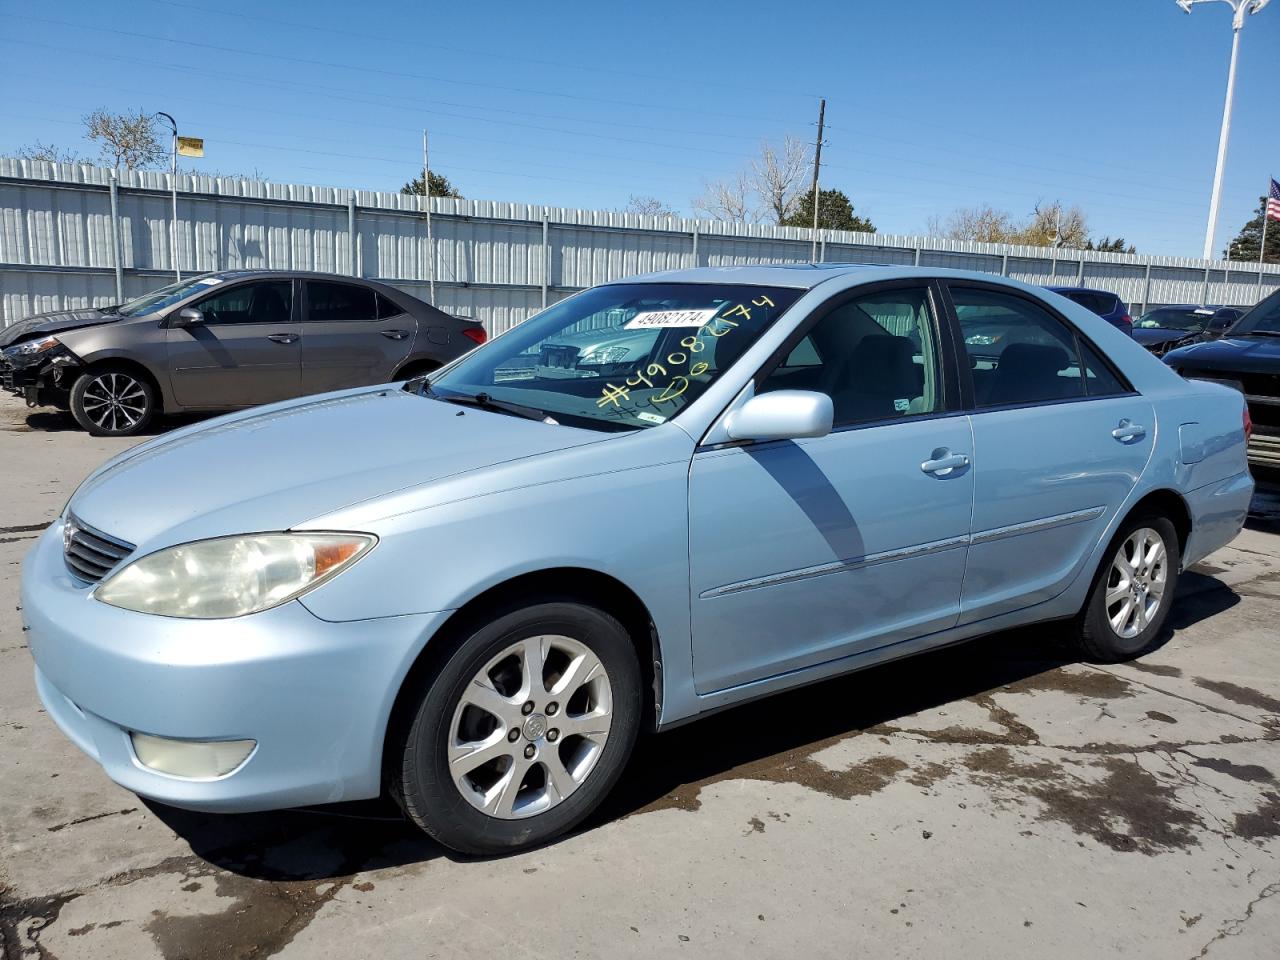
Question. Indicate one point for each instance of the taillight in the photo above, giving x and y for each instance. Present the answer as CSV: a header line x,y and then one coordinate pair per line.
x,y
1127,320
475,334
1248,425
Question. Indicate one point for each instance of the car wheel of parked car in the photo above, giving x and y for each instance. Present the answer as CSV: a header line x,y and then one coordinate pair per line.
x,y
523,730
112,401
1132,593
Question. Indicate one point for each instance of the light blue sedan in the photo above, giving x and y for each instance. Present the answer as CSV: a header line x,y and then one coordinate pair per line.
x,y
473,592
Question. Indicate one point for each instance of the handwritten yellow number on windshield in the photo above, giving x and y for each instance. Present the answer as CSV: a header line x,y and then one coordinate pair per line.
x,y
611,394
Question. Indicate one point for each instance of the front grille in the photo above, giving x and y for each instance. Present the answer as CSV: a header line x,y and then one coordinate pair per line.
x,y
90,553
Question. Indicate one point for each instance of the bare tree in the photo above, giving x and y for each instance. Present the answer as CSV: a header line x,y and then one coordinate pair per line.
x,y
1048,223
728,199
50,152
983,224
125,138
778,177
1054,222
648,206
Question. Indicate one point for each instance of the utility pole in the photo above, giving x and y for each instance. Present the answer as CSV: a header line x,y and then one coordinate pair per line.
x,y
817,165
431,247
1239,8
173,189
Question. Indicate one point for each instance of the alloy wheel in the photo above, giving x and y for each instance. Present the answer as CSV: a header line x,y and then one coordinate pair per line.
x,y
114,401
530,727
1136,582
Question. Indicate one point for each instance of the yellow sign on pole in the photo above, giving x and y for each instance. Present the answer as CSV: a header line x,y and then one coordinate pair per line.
x,y
191,146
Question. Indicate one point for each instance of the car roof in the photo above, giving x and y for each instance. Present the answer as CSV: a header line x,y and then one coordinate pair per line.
x,y
806,276
302,274
1106,293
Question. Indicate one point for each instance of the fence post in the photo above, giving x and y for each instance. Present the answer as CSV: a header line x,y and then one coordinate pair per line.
x,y
695,250
351,234
1146,291
116,245
916,259
822,247
1080,272
546,259
1004,265
1204,299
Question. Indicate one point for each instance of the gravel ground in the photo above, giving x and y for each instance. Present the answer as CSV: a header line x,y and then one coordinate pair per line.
x,y
994,800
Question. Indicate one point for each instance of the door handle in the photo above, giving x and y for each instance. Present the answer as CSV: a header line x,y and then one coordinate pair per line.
x,y
394,334
1127,431
944,462
282,337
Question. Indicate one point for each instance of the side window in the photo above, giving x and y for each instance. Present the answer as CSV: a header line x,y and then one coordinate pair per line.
x,y
387,307
1099,381
1018,351
339,302
265,301
875,356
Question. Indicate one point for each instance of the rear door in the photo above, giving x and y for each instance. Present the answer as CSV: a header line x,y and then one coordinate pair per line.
x,y
1060,440
247,350
354,336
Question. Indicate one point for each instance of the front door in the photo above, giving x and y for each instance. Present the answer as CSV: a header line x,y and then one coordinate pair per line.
x,y
1060,439
805,551
354,336
248,349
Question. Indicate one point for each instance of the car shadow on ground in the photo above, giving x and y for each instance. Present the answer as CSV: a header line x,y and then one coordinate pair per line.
x,y
47,420
338,841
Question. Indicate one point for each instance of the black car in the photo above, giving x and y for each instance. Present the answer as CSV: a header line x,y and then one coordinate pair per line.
x,y
221,341
1247,358
1167,328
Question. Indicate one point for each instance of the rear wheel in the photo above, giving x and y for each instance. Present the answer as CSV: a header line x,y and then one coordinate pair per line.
x,y
523,730
112,401
1132,593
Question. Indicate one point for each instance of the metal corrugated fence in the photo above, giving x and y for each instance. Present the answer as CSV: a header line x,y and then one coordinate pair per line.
x,y
497,262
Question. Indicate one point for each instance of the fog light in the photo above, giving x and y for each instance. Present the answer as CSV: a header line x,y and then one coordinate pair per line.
x,y
193,759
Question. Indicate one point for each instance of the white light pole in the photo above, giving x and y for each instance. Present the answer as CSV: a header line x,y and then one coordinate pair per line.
x,y
173,189
1240,8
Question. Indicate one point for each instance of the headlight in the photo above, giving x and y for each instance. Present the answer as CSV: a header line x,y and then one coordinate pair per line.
x,y
982,339
603,355
30,348
231,576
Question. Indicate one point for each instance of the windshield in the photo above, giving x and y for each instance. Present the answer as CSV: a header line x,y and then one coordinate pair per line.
x,y
1264,318
622,356
159,299
1176,318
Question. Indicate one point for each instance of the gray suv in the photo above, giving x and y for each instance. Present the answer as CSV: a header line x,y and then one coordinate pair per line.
x,y
222,341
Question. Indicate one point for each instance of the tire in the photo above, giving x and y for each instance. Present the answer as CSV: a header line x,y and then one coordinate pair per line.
x,y
113,400
1130,623
555,739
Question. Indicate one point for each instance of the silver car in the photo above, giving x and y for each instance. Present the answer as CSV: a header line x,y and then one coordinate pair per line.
x,y
223,341
473,591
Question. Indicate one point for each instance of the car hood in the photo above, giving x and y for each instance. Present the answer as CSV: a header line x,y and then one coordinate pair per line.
x,y
46,323
1148,336
275,467
1241,354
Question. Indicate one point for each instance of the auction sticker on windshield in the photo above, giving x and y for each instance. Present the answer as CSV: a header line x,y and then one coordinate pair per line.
x,y
654,319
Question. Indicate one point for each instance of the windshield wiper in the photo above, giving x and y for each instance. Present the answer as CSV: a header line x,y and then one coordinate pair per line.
x,y
481,400
1256,333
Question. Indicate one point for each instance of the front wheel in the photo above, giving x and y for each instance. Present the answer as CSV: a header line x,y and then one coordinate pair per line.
x,y
523,730
1132,593
112,401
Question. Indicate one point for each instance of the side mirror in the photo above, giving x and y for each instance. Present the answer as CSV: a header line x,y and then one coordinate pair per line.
x,y
782,415
186,317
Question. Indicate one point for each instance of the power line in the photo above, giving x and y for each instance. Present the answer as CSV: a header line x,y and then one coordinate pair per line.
x,y
361,68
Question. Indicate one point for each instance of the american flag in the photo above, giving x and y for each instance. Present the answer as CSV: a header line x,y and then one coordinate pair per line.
x,y
1273,201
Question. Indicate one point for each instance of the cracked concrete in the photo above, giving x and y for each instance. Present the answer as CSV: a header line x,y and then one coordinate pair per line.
x,y
998,800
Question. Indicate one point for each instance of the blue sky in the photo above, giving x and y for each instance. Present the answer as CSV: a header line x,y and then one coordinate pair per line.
x,y
932,104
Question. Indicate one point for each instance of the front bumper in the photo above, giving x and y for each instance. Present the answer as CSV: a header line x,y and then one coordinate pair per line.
x,y
315,695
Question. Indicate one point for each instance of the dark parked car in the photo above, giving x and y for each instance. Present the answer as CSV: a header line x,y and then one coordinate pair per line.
x,y
1102,302
222,341
1166,328
1247,358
